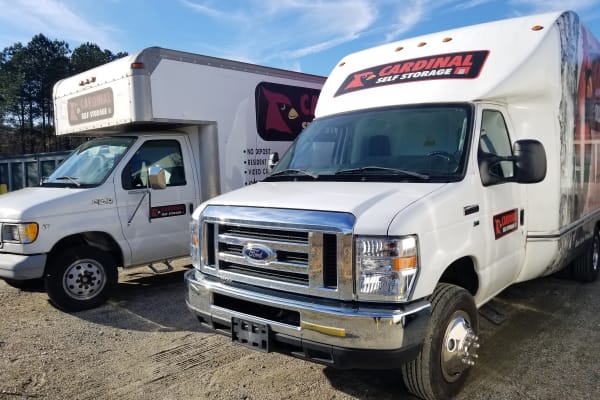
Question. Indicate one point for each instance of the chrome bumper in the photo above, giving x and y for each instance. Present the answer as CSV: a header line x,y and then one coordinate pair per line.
x,y
343,334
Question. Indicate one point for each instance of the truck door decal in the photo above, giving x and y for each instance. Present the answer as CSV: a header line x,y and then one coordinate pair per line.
x,y
464,65
505,223
282,111
168,211
90,107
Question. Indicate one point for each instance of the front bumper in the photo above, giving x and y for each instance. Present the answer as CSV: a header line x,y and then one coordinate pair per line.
x,y
341,334
21,266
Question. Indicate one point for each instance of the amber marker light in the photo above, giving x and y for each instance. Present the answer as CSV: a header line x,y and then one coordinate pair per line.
x,y
137,65
399,48
422,44
537,28
446,40
405,262
342,64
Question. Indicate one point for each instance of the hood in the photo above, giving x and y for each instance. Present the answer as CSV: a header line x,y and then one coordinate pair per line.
x,y
32,203
367,201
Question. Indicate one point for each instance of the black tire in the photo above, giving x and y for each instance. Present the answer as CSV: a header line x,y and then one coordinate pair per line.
x,y
586,267
80,278
27,284
439,371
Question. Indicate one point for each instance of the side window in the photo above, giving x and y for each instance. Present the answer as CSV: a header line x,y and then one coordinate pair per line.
x,y
164,153
494,140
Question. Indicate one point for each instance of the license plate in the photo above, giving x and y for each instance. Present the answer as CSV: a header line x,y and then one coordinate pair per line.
x,y
250,334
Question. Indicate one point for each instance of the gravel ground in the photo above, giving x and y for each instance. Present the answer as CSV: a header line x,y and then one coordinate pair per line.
x,y
144,344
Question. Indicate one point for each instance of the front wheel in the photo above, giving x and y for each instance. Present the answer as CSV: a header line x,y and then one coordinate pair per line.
x,y
80,278
450,346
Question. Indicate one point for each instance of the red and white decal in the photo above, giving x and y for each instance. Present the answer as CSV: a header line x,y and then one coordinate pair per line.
x,y
506,223
464,65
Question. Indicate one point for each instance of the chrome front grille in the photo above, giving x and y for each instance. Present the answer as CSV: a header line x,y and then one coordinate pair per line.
x,y
306,252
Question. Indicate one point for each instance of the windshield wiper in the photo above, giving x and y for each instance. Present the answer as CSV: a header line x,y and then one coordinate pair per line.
x,y
294,171
395,171
71,179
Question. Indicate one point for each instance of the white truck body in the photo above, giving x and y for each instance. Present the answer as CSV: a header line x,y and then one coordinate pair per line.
x,y
439,170
210,125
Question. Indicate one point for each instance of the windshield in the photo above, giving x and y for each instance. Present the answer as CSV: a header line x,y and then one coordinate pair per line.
x,y
90,163
423,143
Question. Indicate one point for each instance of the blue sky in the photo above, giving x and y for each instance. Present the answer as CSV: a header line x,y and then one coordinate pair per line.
x,y
307,36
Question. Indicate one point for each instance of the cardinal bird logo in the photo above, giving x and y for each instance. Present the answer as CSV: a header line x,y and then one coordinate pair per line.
x,y
282,111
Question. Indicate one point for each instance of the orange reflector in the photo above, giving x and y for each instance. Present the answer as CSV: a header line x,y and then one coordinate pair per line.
x,y
327,330
446,40
137,65
342,64
422,44
399,48
405,262
537,28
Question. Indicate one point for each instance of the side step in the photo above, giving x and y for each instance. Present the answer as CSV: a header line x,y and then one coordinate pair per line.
x,y
157,271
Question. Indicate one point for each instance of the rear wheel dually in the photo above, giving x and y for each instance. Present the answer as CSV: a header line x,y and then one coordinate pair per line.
x,y
450,346
586,267
80,278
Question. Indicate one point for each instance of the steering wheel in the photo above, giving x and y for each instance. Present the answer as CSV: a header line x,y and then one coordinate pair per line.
x,y
451,158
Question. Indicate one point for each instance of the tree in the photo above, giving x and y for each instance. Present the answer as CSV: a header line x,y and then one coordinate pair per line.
x,y
89,55
27,77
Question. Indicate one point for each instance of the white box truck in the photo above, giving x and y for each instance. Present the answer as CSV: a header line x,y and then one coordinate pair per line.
x,y
173,129
438,171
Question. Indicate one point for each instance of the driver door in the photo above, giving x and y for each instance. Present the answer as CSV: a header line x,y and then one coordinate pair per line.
x,y
155,223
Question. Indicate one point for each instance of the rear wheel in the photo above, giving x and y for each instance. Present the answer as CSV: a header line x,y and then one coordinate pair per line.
x,y
587,266
450,346
80,278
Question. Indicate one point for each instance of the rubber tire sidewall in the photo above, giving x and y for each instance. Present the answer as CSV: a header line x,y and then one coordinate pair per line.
x,y
583,266
55,274
427,378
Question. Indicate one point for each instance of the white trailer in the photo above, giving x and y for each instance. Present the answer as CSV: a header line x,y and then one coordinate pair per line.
x,y
173,129
439,170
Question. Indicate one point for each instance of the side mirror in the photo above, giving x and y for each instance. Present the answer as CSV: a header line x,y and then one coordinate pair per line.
x,y
530,161
156,177
273,160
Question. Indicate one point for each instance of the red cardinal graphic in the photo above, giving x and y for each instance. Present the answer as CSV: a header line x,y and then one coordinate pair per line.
x,y
279,112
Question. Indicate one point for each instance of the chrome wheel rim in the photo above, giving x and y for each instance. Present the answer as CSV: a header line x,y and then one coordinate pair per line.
x,y
84,279
459,346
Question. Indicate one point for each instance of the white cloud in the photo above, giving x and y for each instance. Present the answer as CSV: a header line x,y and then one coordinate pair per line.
x,y
288,28
554,5
54,19
465,5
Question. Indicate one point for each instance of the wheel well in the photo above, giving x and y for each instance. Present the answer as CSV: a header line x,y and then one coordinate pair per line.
x,y
100,240
462,273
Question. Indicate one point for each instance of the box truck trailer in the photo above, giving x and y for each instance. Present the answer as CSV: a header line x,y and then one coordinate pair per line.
x,y
172,130
438,171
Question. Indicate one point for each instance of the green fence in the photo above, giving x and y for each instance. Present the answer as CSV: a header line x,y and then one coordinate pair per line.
x,y
17,172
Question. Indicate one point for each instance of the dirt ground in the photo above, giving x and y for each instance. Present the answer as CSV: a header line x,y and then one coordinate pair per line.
x,y
543,343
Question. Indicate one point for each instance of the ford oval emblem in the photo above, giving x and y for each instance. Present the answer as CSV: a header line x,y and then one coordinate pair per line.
x,y
258,253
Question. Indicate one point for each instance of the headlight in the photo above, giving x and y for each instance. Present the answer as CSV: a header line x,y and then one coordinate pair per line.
x,y
195,243
386,267
20,233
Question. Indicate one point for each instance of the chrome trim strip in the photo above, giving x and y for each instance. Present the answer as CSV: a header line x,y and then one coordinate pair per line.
x,y
272,266
273,244
301,220
555,235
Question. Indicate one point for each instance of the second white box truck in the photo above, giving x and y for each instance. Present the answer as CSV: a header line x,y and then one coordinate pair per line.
x,y
439,170
174,129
